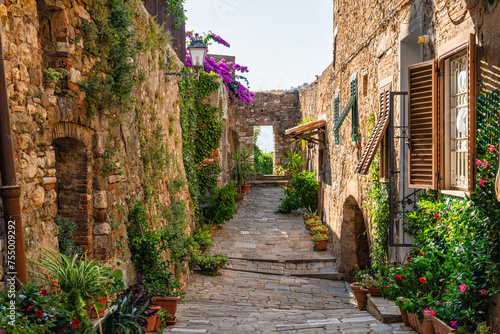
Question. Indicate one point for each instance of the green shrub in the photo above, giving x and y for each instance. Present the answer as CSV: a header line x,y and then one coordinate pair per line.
x,y
305,194
211,264
221,205
65,236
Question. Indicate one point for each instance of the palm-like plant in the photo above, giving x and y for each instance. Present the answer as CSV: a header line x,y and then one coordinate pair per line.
x,y
79,272
126,316
294,162
241,166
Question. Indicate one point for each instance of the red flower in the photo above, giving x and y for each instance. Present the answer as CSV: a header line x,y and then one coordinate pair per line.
x,y
387,287
422,280
29,308
404,300
44,293
398,277
436,216
39,314
75,323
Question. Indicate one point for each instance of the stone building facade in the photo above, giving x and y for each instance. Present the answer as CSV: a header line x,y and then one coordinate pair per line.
x,y
372,58
69,164
281,110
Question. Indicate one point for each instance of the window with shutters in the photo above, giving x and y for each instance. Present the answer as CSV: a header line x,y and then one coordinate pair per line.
x,y
441,107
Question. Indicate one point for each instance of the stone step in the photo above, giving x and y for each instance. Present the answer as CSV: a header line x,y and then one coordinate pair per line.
x,y
313,268
383,310
267,183
271,178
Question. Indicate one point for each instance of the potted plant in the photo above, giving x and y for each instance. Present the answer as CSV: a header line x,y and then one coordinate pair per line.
x,y
312,223
53,76
320,242
165,291
241,168
309,214
319,229
203,239
356,287
294,161
211,264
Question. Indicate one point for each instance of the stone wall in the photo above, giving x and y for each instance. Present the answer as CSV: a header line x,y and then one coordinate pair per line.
x,y
61,153
377,56
279,110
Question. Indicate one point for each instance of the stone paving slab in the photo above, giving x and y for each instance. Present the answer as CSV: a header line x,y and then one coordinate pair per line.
x,y
249,299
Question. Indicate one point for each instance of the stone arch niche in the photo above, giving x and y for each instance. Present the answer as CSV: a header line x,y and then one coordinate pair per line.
x,y
72,144
355,249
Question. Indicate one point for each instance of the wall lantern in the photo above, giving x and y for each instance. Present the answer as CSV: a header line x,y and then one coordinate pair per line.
x,y
197,50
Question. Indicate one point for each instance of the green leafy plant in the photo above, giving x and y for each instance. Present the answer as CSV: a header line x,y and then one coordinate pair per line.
x,y
302,142
241,166
319,237
304,195
319,229
203,238
54,75
221,205
77,272
65,236
211,264
310,213
294,161
125,316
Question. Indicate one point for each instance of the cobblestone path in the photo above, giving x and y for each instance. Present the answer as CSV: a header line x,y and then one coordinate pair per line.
x,y
276,283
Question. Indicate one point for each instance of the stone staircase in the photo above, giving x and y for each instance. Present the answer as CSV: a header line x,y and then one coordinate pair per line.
x,y
268,180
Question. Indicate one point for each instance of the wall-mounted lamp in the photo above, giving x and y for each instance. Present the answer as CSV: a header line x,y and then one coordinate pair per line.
x,y
197,50
426,39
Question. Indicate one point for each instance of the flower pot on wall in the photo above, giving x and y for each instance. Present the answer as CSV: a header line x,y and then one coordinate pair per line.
x,y
374,291
169,304
320,245
241,195
440,327
423,328
360,296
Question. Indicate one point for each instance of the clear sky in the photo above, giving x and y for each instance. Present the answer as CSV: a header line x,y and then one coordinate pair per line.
x,y
284,43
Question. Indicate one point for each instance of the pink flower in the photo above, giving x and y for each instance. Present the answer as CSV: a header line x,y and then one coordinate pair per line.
x,y
453,324
478,162
481,182
483,292
485,164
491,148
429,312
463,287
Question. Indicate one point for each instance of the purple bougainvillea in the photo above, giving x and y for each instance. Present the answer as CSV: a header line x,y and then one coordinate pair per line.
x,y
226,70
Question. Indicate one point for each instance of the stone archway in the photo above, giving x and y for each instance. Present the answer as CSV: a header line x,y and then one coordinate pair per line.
x,y
73,185
355,249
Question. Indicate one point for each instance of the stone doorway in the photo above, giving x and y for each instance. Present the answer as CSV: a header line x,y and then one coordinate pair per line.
x,y
355,249
74,186
263,149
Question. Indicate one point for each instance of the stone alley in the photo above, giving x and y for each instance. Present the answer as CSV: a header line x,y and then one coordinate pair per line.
x,y
268,287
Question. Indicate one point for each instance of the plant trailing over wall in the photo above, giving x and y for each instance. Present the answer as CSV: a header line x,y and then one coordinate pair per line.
x,y
176,8
377,206
110,43
226,70
65,236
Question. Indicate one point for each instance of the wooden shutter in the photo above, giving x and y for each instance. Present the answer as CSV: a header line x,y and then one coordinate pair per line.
x,y
472,110
377,134
422,125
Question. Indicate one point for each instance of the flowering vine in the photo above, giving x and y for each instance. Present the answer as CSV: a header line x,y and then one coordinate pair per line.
x,y
226,70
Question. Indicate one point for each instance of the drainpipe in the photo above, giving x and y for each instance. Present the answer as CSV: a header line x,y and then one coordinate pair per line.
x,y
10,191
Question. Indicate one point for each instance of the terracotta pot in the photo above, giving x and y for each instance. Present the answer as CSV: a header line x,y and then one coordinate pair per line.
x,y
440,327
423,328
241,195
245,188
309,227
289,186
219,226
169,304
153,323
103,301
404,316
375,292
49,88
360,296
212,229
364,290
321,245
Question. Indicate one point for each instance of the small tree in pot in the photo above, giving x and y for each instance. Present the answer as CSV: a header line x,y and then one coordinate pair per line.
x,y
241,166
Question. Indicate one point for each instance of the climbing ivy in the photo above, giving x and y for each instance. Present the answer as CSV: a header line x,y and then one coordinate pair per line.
x,y
201,134
377,206
176,7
